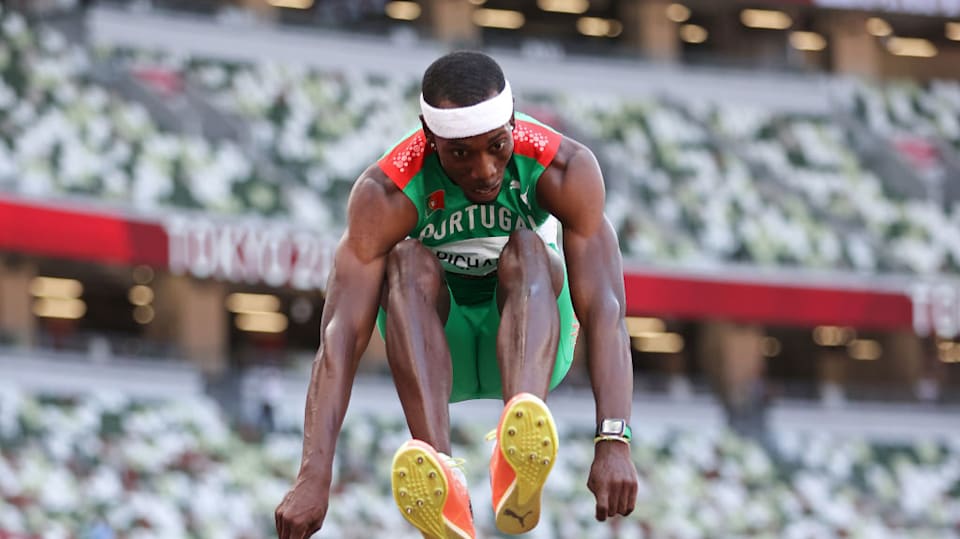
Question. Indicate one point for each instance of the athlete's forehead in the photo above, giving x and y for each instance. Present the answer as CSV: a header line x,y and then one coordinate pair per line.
x,y
483,138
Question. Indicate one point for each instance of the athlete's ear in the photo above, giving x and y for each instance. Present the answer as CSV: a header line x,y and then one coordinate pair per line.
x,y
431,138
513,119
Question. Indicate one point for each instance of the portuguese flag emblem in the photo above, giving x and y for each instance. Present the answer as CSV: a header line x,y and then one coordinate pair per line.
x,y
435,201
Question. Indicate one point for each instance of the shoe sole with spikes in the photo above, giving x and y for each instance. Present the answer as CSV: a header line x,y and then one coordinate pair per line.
x,y
422,486
526,451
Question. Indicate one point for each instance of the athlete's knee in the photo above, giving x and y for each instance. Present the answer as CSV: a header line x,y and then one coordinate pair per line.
x,y
523,257
411,266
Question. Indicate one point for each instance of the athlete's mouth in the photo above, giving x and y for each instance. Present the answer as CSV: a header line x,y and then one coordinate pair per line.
x,y
490,190
485,194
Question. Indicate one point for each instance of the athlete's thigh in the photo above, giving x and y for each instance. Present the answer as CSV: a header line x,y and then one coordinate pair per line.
x,y
411,265
529,250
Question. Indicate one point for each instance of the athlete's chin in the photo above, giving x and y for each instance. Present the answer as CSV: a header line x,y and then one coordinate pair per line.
x,y
482,199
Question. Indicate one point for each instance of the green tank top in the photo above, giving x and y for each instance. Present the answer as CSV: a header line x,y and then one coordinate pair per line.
x,y
468,237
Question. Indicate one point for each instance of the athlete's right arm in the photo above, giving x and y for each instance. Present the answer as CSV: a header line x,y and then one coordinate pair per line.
x,y
378,217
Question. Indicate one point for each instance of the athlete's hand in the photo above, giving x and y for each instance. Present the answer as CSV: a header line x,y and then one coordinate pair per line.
x,y
613,479
303,509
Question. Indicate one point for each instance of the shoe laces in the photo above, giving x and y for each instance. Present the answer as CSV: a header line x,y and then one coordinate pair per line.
x,y
456,466
453,462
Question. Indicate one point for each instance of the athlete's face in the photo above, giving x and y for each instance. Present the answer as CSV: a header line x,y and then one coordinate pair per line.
x,y
476,164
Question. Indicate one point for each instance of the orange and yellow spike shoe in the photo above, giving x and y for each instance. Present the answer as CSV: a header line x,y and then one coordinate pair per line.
x,y
430,495
524,454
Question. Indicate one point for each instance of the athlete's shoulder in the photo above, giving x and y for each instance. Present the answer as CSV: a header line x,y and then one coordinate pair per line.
x,y
379,215
534,139
375,197
374,186
405,160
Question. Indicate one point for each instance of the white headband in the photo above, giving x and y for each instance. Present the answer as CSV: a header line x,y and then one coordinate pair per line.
x,y
469,121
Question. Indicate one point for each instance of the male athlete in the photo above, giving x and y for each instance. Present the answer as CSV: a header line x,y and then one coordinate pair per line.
x,y
451,247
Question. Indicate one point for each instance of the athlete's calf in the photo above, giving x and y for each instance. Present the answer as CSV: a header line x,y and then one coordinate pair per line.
x,y
417,302
530,279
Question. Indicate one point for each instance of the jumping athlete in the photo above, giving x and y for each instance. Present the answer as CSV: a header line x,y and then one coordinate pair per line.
x,y
452,248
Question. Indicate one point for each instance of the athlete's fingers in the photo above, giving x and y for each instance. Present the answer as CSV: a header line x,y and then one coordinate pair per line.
x,y
616,498
602,498
623,498
613,506
300,532
282,528
625,506
290,529
631,498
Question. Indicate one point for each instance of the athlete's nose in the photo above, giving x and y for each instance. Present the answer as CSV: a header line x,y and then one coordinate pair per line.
x,y
484,172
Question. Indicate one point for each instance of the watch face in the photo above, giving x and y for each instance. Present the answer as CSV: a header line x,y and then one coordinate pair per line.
x,y
613,427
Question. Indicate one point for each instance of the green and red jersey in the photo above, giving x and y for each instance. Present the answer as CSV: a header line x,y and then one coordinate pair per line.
x,y
468,237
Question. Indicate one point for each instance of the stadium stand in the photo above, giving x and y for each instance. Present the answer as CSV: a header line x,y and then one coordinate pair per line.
x,y
909,108
105,465
67,136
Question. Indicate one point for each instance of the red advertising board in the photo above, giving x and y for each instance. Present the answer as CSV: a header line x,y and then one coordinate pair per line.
x,y
80,235
772,304
280,256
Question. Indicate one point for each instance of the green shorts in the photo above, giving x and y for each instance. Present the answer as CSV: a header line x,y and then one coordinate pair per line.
x,y
472,335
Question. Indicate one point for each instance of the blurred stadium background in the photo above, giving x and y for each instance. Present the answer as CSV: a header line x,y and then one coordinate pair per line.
x,y
784,176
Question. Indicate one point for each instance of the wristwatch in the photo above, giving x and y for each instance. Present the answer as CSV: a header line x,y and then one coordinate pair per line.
x,y
614,428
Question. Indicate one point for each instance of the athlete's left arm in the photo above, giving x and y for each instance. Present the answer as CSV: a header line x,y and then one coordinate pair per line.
x,y
571,188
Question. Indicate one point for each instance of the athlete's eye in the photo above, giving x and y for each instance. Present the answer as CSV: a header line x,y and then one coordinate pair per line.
x,y
459,153
499,145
